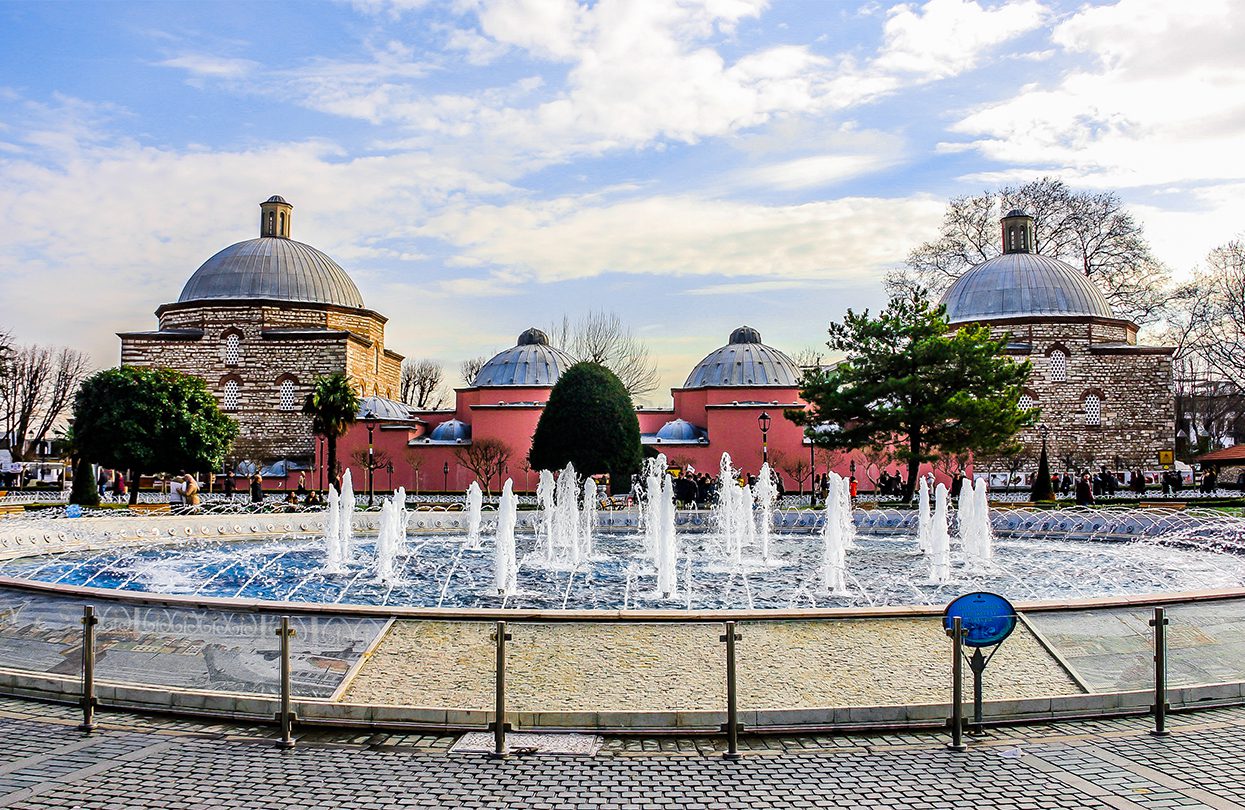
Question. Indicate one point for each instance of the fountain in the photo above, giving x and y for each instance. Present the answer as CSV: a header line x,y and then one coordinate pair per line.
x,y
345,517
834,542
598,559
475,500
766,495
923,517
505,565
939,540
662,517
973,520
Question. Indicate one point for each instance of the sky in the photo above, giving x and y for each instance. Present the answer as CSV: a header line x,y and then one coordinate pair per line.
x,y
482,166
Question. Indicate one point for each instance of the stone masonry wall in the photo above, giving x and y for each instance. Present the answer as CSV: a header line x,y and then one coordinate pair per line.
x,y
1138,413
266,431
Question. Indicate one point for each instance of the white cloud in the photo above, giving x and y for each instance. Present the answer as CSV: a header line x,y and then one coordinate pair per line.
x,y
947,37
216,67
1162,99
565,239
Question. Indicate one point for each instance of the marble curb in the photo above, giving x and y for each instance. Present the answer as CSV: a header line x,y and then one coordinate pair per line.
x,y
264,708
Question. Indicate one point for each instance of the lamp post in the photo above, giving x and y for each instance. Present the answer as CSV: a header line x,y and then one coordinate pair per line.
x,y
763,420
389,469
369,419
445,477
1044,431
812,474
322,441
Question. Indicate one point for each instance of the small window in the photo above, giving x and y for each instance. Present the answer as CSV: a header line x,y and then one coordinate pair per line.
x,y
1093,409
1026,402
288,400
233,349
233,394
1059,366
376,360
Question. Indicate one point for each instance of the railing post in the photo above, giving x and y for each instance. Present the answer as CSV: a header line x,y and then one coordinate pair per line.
x,y
957,634
500,637
88,669
286,716
1159,623
732,703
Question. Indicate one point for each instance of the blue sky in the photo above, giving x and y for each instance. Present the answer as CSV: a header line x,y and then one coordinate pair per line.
x,y
481,166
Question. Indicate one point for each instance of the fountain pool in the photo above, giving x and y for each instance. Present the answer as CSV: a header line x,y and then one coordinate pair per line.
x,y
1036,555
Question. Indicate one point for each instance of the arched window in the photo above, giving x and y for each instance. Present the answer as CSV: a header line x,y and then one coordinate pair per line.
x,y
1058,366
1026,402
233,394
282,231
1093,409
289,402
233,349
376,360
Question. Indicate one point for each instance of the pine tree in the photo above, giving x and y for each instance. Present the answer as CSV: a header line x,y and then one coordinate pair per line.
x,y
911,385
590,422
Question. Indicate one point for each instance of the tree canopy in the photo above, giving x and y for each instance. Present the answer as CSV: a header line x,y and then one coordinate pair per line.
x,y
912,385
590,422
1092,231
150,420
333,406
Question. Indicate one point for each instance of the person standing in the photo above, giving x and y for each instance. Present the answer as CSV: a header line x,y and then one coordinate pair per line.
x,y
190,490
118,486
957,484
102,482
257,488
1084,491
177,491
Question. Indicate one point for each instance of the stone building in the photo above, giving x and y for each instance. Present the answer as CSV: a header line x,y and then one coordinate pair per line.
x,y
1106,399
259,321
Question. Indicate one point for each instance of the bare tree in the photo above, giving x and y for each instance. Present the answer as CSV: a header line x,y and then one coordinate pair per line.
x,y
1090,231
795,465
414,459
420,384
601,337
486,458
470,367
35,392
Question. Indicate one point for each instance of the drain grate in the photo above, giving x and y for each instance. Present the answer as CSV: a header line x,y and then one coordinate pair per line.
x,y
518,743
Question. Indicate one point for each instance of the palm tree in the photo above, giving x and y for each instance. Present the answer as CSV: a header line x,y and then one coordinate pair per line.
x,y
333,406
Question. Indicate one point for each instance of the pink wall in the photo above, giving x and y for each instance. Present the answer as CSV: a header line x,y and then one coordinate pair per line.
x,y
729,414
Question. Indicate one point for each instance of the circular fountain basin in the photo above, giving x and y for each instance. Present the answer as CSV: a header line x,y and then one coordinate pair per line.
x,y
1035,559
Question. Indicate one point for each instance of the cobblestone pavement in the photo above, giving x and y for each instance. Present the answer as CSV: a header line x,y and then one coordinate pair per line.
x,y
137,762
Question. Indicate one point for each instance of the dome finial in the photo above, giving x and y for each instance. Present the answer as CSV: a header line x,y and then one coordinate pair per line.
x,y
533,337
1018,233
745,334
275,215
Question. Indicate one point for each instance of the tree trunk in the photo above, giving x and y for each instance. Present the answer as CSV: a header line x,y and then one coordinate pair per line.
x,y
331,462
914,466
133,484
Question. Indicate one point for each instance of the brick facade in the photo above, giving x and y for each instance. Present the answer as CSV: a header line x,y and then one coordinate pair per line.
x,y
1133,384
278,341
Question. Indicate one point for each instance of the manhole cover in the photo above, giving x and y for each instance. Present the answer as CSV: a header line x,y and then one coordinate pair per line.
x,y
481,742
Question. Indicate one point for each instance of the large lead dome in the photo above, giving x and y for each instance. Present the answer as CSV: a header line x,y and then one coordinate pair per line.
x,y
533,362
1021,284
273,267
744,361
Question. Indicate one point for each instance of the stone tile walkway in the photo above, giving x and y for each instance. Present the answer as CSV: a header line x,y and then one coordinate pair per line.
x,y
136,762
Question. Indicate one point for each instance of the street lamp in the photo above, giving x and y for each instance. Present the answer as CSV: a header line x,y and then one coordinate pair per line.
x,y
369,419
389,469
763,420
322,442
445,477
812,474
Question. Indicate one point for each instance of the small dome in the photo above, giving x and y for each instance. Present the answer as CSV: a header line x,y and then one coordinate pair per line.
x,y
386,410
1016,212
532,362
451,431
745,334
277,198
1023,285
533,337
745,362
680,430
272,268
